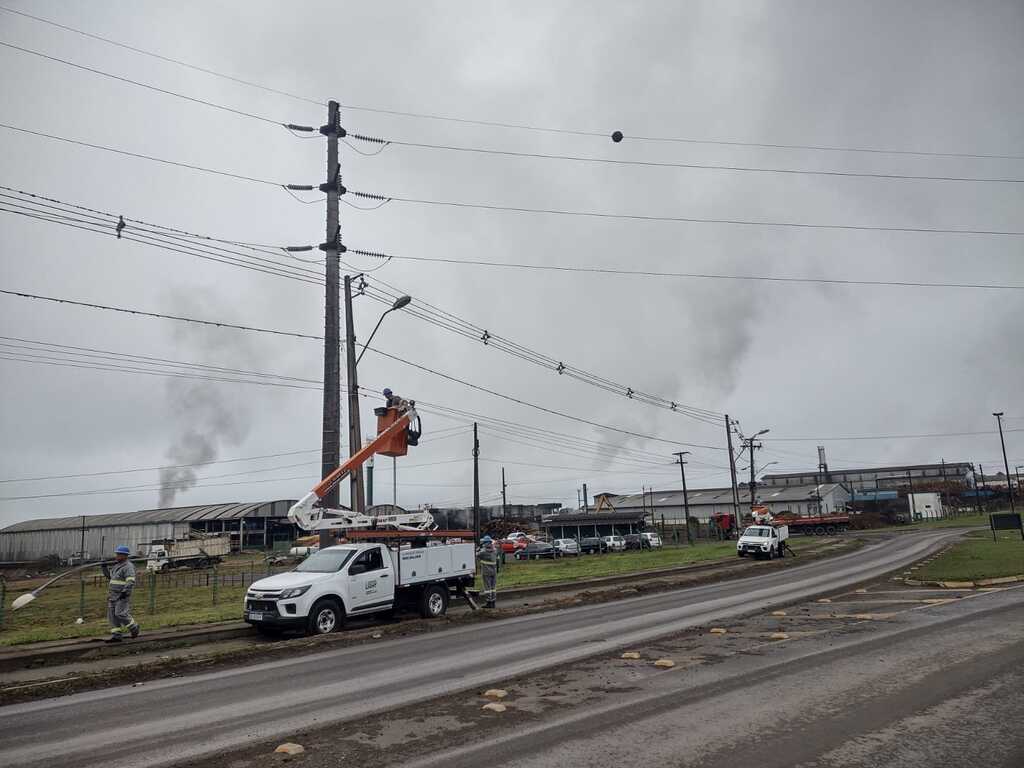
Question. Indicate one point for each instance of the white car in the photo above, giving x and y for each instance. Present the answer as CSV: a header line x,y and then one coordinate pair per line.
x,y
763,541
567,547
615,543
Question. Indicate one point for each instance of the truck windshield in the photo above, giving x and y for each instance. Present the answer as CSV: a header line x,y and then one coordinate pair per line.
x,y
327,561
756,532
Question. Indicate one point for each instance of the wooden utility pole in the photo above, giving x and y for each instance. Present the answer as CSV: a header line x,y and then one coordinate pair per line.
x,y
686,501
355,432
330,453
504,497
732,473
476,483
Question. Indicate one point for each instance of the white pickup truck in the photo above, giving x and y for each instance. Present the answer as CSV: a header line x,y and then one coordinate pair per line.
x,y
360,579
763,541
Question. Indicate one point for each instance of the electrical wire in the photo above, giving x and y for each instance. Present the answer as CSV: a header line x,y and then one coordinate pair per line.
x,y
677,219
140,156
499,124
691,166
129,81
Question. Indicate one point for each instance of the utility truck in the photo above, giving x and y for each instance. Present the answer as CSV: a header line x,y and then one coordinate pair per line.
x,y
193,552
765,540
411,564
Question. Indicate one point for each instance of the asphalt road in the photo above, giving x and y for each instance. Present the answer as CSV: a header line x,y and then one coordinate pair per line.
x,y
937,687
167,721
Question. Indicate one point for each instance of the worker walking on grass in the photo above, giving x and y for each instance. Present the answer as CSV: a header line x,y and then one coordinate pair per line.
x,y
119,596
487,554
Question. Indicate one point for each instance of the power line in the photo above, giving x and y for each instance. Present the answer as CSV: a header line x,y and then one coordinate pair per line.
x,y
691,166
178,318
499,124
140,156
884,437
686,275
677,219
145,85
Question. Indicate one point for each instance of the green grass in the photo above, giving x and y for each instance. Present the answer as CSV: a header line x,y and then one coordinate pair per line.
x,y
978,558
182,597
517,573
948,522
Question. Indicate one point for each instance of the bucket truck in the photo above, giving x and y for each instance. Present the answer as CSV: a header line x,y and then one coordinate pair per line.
x,y
404,567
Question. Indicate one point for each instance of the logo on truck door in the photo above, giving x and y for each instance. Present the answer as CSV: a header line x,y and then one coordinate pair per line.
x,y
371,586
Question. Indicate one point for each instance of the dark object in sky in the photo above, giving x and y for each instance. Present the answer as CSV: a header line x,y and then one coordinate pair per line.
x,y
617,137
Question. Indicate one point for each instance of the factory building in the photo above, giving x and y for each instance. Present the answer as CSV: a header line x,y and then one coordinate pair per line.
x,y
256,524
959,474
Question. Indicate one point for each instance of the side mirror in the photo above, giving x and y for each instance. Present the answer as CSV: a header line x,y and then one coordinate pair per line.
x,y
356,568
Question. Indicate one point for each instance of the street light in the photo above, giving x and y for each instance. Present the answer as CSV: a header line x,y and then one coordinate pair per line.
x,y
764,467
1006,464
401,301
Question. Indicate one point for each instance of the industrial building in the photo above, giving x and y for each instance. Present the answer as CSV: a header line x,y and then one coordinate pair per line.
x,y
959,474
256,524
705,503
578,525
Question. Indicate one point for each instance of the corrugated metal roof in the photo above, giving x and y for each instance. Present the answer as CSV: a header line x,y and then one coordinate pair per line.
x,y
702,496
948,467
231,511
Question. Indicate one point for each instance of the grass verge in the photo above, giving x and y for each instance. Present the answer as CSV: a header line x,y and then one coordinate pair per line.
x,y
977,558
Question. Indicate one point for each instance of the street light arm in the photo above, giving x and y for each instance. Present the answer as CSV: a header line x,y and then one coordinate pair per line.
x,y
375,328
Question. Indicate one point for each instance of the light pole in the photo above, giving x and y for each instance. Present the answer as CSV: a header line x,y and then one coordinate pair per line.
x,y
686,501
1006,464
401,301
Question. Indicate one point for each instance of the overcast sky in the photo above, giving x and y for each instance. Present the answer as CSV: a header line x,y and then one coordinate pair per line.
x,y
811,361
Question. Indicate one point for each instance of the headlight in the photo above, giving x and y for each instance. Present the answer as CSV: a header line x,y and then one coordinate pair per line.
x,y
294,592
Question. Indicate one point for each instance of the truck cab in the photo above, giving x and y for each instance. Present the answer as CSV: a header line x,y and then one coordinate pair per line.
x,y
762,541
359,579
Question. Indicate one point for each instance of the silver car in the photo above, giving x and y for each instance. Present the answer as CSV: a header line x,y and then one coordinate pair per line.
x,y
567,547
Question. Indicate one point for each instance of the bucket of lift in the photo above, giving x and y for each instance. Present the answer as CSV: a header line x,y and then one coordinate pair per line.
x,y
397,444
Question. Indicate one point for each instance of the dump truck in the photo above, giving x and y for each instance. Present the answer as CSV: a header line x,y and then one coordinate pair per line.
x,y
193,552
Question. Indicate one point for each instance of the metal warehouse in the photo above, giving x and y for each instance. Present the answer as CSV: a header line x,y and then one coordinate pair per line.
x,y
707,502
255,524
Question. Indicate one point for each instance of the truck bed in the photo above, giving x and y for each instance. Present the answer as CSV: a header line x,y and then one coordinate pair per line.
x,y
444,561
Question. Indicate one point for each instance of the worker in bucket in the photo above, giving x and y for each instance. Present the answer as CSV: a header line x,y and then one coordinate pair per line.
x,y
119,596
487,554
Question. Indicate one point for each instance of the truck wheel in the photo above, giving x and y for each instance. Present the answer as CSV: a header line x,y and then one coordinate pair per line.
x,y
433,602
325,617
830,530
739,554
771,553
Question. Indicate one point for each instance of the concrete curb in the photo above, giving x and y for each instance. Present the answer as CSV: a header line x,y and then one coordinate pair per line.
x,y
964,584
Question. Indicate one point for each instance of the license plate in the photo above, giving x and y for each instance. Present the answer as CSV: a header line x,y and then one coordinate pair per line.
x,y
255,616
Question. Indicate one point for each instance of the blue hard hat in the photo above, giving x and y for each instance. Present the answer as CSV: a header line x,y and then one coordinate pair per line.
x,y
486,540
122,549
387,392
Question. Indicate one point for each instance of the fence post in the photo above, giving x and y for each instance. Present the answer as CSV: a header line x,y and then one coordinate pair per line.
x,y
81,595
152,592
3,600
215,580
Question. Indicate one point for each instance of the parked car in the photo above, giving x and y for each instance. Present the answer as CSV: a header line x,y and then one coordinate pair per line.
x,y
513,544
653,539
593,545
535,550
636,541
566,547
615,543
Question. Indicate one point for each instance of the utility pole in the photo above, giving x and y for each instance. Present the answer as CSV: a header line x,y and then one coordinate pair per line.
x,y
945,501
753,470
586,499
977,490
369,482
330,452
355,432
913,506
476,483
732,473
579,499
686,501
504,498
1006,464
